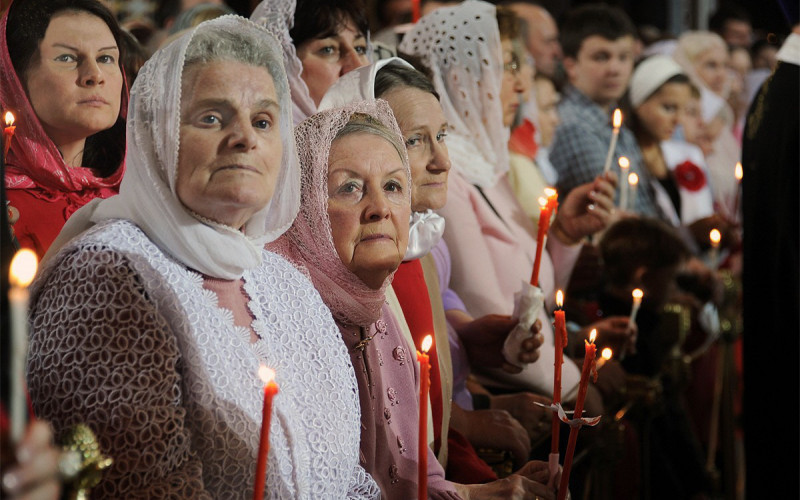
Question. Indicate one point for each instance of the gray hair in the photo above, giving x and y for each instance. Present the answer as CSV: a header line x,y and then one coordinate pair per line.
x,y
361,123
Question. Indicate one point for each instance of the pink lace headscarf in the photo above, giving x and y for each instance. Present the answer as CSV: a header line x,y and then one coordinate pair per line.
x,y
309,242
34,162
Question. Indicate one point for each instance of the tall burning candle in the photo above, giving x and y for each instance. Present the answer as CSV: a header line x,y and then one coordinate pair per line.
x,y
588,364
544,225
739,174
424,384
617,123
624,164
560,327
713,256
633,185
270,390
23,269
8,132
637,295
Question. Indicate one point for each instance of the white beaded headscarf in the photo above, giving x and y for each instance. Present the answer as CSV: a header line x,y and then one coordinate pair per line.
x,y
461,47
277,16
649,76
309,242
148,195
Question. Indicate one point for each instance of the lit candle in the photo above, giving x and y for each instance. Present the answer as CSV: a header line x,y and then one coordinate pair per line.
x,y
8,132
23,269
270,390
415,10
424,382
637,295
624,164
633,184
552,200
544,225
617,122
713,256
605,355
588,364
738,173
560,327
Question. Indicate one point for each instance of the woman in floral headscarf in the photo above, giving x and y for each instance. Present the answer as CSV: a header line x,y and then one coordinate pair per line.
x,y
61,76
151,325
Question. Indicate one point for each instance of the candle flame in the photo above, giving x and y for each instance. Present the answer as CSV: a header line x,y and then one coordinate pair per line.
x,y
9,118
593,335
637,293
550,192
617,118
715,236
542,202
23,268
738,172
633,179
624,162
606,354
560,299
266,374
427,342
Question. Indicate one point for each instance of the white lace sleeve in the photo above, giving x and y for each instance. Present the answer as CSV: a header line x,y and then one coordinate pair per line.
x,y
102,354
362,486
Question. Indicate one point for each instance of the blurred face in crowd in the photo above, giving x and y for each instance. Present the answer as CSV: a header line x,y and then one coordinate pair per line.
x,y
712,68
737,33
547,103
230,141
75,87
602,68
542,37
513,85
424,129
327,58
368,206
661,112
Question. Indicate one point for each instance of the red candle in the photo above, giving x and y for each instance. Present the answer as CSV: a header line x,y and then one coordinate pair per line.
x,y
588,364
544,225
561,341
424,383
8,132
270,389
415,10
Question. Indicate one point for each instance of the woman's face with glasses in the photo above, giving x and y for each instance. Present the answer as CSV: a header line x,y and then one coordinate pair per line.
x,y
513,84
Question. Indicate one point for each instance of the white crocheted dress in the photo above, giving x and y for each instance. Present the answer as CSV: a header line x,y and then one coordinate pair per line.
x,y
126,339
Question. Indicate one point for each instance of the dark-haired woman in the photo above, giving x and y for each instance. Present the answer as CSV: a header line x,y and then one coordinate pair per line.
x,y
61,76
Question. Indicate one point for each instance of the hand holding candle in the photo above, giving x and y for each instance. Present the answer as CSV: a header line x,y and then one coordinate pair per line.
x,y
617,122
586,372
23,269
424,383
270,390
8,132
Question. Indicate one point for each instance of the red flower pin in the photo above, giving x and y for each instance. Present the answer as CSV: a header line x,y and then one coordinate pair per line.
x,y
690,176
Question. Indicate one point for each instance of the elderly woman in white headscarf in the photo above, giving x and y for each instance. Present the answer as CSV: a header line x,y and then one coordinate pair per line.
x,y
151,325
322,40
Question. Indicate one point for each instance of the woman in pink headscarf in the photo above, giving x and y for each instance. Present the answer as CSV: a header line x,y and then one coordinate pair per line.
x,y
61,76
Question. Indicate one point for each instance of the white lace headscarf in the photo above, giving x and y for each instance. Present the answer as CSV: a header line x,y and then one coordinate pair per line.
x,y
309,242
277,16
461,47
148,195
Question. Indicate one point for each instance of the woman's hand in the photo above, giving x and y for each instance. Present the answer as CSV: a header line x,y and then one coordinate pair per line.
x,y
36,473
522,406
513,487
495,429
587,209
483,339
616,332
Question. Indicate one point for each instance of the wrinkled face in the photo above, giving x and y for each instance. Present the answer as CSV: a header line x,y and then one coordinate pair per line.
x,y
602,68
424,128
547,102
513,83
712,68
542,40
326,59
75,87
230,141
368,206
661,112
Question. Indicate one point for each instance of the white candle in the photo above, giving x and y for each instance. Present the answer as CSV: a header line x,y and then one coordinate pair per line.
x,y
624,164
637,295
633,184
713,255
617,122
605,355
23,269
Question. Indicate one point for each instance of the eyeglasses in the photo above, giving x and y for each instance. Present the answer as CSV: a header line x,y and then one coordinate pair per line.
x,y
512,66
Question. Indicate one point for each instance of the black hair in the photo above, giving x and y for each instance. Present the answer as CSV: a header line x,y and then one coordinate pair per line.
x,y
323,18
28,21
727,12
393,76
611,23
